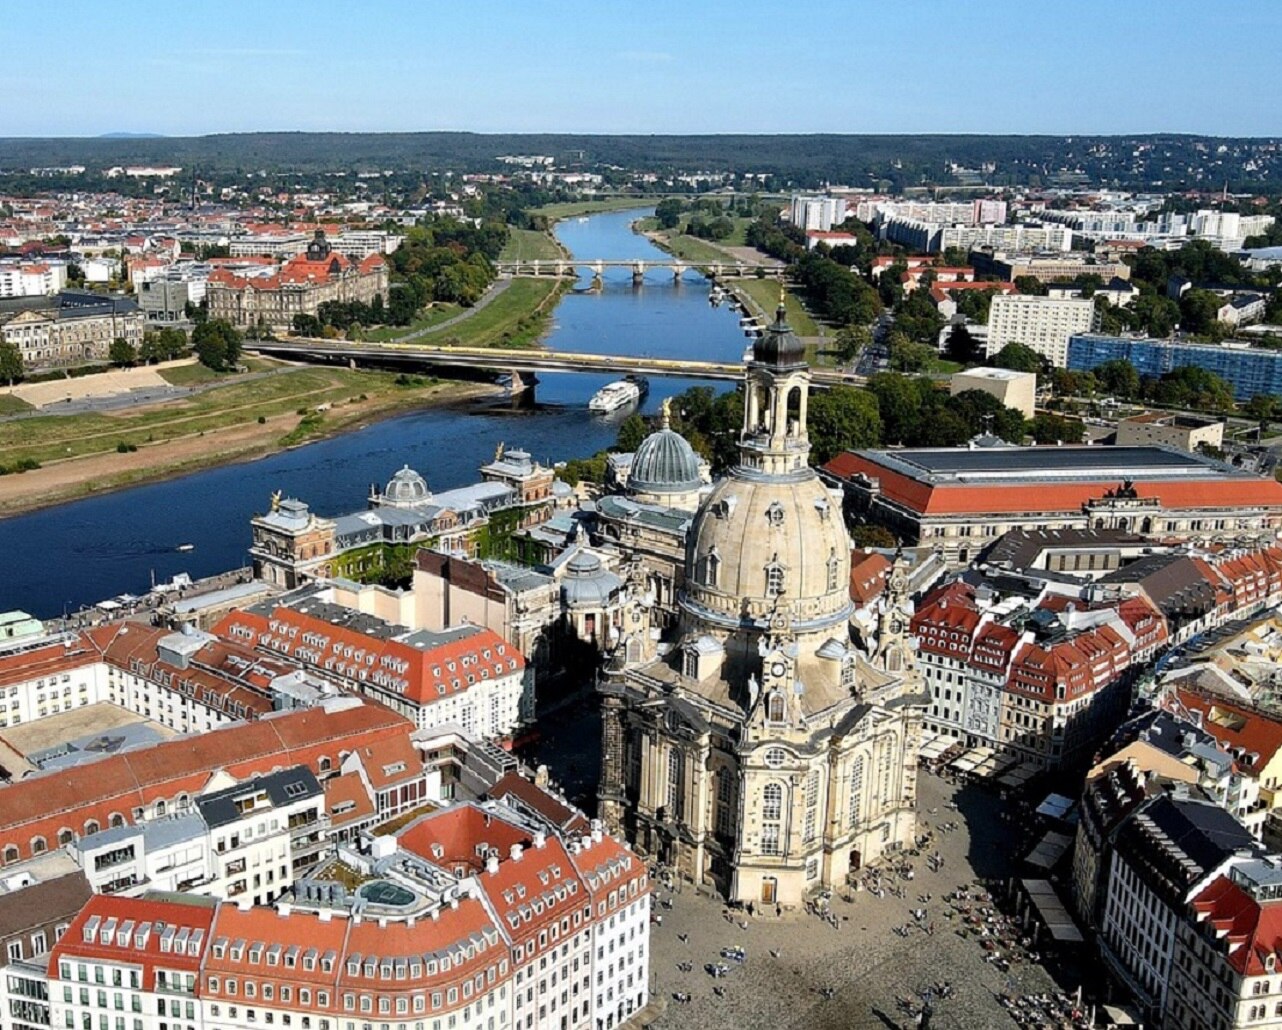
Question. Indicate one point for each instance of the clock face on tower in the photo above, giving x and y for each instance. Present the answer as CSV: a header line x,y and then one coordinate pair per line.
x,y
896,626
777,669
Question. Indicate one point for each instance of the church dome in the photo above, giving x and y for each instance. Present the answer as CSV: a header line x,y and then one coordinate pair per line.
x,y
761,543
778,345
587,583
664,464
406,487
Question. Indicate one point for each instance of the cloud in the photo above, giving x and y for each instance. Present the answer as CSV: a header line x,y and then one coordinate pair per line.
x,y
646,56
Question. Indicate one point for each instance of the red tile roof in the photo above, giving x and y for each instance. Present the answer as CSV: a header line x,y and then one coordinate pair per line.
x,y
1246,930
420,676
1249,735
196,918
959,499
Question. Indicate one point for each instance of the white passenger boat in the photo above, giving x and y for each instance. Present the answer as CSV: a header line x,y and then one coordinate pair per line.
x,y
615,395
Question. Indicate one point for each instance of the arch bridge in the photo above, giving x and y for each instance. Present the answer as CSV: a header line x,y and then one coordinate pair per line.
x,y
638,267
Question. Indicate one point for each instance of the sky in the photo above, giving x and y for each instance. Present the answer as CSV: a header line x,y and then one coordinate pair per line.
x,y
642,66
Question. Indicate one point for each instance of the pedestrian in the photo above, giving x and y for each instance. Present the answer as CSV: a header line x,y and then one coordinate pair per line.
x,y
778,909
750,910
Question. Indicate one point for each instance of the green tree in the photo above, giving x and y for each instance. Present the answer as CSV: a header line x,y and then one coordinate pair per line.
x,y
1030,285
1048,428
1199,310
982,412
632,431
217,344
1155,314
1018,358
10,362
918,318
1118,377
1262,407
122,353
900,401
873,536
842,418
668,213
851,341
907,356
961,345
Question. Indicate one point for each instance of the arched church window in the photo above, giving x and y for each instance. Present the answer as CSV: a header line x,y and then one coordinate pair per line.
x,y
725,802
775,707
774,579
812,806
856,791
675,783
772,802
834,568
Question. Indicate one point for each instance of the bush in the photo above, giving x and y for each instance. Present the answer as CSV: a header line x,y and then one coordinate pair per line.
x,y
125,448
262,420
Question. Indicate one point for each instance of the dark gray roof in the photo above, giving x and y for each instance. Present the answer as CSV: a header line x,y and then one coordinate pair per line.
x,y
664,463
50,901
283,788
1020,547
72,304
1004,465
778,345
1172,581
1174,842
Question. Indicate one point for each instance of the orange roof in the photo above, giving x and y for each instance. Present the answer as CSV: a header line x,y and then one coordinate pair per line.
x,y
1247,930
104,912
347,800
993,498
868,573
1249,735
418,675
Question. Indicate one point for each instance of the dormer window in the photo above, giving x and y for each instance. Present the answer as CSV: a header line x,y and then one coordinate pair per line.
x,y
712,568
774,578
774,514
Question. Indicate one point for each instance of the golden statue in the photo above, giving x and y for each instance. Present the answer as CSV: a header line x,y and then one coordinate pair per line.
x,y
276,501
498,452
666,408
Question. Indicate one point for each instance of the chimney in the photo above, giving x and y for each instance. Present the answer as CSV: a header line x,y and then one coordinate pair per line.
x,y
492,864
515,853
454,901
283,909
540,839
323,915
244,904
541,777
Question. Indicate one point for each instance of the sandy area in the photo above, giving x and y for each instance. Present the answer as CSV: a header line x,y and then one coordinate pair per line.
x,y
103,384
61,480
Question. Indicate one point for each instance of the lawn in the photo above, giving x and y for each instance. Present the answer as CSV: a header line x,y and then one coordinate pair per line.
x,y
50,437
574,208
530,245
691,248
428,317
765,294
512,318
197,374
10,405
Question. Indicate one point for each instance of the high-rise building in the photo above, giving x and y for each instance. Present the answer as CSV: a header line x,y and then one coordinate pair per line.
x,y
1043,324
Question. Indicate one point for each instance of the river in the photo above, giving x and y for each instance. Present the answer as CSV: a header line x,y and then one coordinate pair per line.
x,y
85,551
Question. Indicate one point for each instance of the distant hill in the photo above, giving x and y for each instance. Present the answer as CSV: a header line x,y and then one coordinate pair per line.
x,y
131,135
1166,160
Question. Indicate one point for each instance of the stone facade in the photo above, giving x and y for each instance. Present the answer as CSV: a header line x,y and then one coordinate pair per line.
x,y
70,328
299,287
759,750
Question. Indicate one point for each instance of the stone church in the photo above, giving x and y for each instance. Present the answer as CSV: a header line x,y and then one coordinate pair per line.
x,y
754,747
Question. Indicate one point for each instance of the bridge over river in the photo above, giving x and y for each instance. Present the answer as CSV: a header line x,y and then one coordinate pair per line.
x,y
521,365
638,266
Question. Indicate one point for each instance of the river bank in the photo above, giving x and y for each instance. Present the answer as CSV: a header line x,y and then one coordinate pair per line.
x,y
66,479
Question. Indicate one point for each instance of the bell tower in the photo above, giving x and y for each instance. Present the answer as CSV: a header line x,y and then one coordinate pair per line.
x,y
776,392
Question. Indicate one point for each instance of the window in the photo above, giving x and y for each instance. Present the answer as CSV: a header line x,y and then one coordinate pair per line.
x,y
712,568
725,802
856,791
834,570
775,757
770,839
775,707
774,579
675,783
771,802
812,806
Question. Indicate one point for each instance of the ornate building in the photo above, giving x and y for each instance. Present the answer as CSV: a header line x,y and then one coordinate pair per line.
x,y
299,287
758,749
